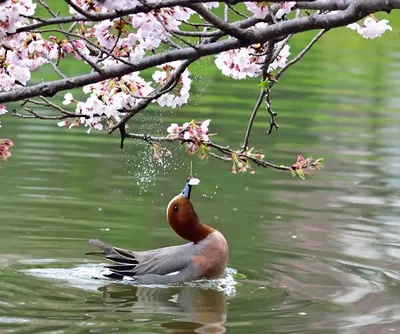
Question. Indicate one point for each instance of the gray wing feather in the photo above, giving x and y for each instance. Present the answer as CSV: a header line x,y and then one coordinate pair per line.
x,y
161,261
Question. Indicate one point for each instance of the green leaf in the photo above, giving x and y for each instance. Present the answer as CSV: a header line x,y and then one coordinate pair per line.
x,y
239,276
264,84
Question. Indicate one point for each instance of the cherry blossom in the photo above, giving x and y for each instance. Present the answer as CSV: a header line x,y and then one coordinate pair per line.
x,y
371,28
210,5
193,181
281,59
245,62
298,168
259,9
173,128
195,133
241,164
3,109
107,98
180,94
158,152
10,15
123,40
285,8
119,4
63,123
5,145
68,98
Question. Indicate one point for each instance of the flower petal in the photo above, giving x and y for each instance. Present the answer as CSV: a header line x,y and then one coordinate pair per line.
x,y
193,181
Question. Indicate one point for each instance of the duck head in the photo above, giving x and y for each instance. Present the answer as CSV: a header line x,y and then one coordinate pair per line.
x,y
183,218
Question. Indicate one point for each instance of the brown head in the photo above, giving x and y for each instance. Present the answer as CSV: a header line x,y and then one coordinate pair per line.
x,y
183,218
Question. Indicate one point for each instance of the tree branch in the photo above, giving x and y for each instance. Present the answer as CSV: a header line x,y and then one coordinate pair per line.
x,y
142,8
354,12
224,26
298,57
167,86
251,120
228,153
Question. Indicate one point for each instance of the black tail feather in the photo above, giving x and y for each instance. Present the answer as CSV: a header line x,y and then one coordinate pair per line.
x,y
122,268
95,253
123,272
127,261
119,260
114,276
123,253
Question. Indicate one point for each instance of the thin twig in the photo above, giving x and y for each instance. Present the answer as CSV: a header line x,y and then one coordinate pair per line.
x,y
88,41
298,57
251,120
80,10
272,114
271,83
237,12
226,13
47,7
223,149
144,103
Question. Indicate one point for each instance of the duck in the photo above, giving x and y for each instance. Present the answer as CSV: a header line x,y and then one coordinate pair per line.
x,y
205,256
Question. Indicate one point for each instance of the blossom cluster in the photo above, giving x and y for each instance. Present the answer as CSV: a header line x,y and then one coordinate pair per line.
x,y
109,98
180,95
371,28
129,39
24,52
5,144
247,62
124,40
302,163
195,135
241,161
106,99
20,53
261,9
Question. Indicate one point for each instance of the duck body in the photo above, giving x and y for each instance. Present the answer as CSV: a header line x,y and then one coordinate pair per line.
x,y
206,256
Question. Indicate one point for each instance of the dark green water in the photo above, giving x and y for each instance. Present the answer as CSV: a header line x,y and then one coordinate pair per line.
x,y
320,255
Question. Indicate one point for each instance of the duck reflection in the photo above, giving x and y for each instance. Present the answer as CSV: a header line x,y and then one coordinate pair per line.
x,y
196,310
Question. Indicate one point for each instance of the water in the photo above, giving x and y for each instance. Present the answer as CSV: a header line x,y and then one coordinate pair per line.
x,y
320,255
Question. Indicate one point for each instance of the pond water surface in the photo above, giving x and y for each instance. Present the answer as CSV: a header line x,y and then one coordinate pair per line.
x,y
318,255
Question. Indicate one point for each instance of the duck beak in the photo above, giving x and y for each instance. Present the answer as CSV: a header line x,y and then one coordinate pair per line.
x,y
186,191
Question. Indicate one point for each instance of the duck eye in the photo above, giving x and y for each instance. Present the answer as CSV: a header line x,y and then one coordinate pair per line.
x,y
175,208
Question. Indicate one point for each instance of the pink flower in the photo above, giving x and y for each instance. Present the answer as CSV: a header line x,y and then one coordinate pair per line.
x,y
204,125
68,98
5,144
63,123
195,134
3,109
285,8
173,128
259,9
193,181
371,28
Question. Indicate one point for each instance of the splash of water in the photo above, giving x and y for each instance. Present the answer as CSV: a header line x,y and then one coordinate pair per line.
x,y
90,277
